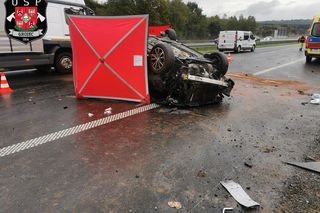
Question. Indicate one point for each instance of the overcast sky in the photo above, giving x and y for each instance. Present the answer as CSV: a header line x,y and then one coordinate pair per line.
x,y
262,9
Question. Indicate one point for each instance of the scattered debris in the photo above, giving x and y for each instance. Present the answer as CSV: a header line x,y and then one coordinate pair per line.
x,y
225,210
202,173
248,163
312,166
108,111
65,107
309,158
316,96
175,204
90,115
269,149
174,111
315,102
229,130
239,194
31,92
315,99
301,92
304,103
167,110
180,112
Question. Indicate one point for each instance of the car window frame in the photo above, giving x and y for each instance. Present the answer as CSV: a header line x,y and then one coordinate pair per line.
x,y
317,24
246,36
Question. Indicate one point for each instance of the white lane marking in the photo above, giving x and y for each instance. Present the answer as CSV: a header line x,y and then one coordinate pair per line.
x,y
277,67
73,130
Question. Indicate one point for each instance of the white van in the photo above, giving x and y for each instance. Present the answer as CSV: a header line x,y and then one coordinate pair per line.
x,y
54,49
236,41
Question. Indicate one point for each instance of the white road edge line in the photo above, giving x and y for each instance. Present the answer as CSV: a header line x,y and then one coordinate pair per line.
x,y
277,67
9,150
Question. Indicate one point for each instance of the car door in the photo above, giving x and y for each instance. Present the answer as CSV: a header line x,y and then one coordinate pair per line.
x,y
246,40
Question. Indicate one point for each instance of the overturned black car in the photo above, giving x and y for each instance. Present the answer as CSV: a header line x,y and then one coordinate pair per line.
x,y
181,76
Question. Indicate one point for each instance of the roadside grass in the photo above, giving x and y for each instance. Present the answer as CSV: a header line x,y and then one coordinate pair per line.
x,y
259,45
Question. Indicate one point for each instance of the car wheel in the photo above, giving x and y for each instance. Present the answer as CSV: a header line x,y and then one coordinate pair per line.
x,y
238,49
172,34
63,63
220,62
161,58
308,59
253,48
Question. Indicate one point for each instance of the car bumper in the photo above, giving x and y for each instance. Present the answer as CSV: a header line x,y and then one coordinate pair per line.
x,y
311,53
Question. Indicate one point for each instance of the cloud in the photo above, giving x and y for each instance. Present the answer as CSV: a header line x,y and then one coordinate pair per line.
x,y
260,8
276,10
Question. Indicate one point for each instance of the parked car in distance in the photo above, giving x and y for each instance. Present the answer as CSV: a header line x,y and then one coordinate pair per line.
x,y
268,38
236,41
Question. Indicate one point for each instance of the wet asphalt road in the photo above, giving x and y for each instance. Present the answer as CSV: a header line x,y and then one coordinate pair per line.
x,y
139,163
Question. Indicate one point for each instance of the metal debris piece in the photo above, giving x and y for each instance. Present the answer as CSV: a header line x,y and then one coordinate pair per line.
x,y
239,194
315,101
90,115
312,166
225,210
108,111
175,204
316,96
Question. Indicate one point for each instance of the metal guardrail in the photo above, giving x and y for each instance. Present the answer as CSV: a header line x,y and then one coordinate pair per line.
x,y
208,43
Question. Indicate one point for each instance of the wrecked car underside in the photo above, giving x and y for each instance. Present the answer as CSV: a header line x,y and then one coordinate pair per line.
x,y
181,76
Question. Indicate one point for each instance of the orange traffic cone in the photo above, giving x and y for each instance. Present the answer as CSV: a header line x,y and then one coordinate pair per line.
x,y
229,58
4,86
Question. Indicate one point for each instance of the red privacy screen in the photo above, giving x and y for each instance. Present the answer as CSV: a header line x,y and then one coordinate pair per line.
x,y
109,57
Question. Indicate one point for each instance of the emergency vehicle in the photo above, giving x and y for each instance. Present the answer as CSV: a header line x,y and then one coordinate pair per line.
x,y
313,40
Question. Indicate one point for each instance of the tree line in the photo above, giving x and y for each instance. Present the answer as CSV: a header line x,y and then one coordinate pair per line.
x,y
186,18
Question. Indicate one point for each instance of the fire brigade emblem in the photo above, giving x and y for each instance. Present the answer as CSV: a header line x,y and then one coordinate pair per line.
x,y
26,19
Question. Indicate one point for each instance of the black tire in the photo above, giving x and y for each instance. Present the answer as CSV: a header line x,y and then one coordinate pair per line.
x,y
220,62
171,34
63,63
253,48
161,58
308,59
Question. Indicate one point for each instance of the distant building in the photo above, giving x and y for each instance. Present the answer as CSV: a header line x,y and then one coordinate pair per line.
x,y
281,32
